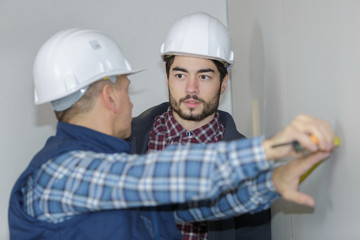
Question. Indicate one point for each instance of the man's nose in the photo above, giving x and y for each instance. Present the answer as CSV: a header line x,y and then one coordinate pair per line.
x,y
192,86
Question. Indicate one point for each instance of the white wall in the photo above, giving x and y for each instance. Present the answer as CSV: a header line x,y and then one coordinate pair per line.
x,y
295,57
139,26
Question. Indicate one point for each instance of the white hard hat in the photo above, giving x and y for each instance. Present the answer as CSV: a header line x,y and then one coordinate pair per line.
x,y
70,61
199,34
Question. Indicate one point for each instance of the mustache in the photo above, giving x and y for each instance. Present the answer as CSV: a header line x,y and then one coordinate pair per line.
x,y
195,97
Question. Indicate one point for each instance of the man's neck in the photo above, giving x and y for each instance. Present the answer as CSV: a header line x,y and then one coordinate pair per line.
x,y
95,121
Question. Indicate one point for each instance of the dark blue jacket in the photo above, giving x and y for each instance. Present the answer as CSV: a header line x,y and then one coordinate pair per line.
x,y
245,227
139,224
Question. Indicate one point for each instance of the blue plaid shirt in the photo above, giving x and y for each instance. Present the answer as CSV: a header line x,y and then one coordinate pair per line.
x,y
84,181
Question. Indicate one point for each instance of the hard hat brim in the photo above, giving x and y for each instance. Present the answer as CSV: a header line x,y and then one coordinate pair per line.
x,y
87,83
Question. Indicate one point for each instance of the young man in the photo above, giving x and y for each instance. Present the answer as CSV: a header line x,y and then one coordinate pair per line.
x,y
197,55
85,184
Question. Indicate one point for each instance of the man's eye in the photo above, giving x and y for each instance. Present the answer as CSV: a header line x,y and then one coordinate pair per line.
x,y
179,75
204,77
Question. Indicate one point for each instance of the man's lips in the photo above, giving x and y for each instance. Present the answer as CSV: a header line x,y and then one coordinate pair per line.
x,y
191,103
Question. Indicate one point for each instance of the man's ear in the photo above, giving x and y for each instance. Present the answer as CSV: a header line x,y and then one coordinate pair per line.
x,y
108,96
224,83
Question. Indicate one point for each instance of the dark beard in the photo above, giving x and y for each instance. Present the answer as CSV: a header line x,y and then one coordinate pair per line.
x,y
209,107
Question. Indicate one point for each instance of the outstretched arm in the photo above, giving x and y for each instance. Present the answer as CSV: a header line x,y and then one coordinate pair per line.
x,y
249,196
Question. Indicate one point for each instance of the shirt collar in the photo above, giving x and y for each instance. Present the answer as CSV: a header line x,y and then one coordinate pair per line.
x,y
90,139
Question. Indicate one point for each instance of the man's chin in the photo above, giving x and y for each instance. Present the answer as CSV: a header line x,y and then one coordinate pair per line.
x,y
190,114
191,117
192,110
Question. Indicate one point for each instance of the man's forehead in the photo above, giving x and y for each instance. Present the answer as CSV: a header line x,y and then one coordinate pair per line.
x,y
191,63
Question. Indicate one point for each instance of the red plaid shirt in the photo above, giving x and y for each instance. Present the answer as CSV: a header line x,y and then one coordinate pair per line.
x,y
165,131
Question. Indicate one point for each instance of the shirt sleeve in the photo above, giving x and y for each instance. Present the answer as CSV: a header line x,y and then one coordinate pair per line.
x,y
252,195
83,181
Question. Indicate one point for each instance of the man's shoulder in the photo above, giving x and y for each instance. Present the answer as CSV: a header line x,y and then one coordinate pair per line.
x,y
231,131
226,119
224,114
145,120
153,111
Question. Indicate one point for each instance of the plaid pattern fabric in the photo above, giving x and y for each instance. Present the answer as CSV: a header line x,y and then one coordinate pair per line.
x,y
193,231
165,131
81,181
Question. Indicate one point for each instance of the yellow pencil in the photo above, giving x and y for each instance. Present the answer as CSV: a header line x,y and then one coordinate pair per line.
x,y
315,140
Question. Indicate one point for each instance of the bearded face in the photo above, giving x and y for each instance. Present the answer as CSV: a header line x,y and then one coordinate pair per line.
x,y
194,88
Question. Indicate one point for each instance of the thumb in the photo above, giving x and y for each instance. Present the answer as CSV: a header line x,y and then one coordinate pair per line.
x,y
299,198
